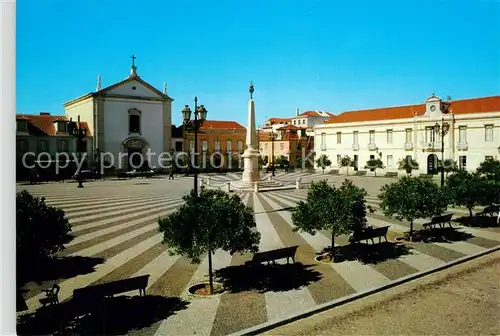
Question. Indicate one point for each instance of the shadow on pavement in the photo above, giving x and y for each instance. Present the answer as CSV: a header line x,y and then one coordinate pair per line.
x,y
111,316
369,253
440,235
263,278
478,221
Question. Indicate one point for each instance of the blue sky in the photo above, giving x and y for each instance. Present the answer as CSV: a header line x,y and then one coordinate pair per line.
x,y
315,54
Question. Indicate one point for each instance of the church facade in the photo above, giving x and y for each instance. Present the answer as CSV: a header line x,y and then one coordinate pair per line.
x,y
128,117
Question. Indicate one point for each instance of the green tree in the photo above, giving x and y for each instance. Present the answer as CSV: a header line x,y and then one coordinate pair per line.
x,y
347,162
341,210
467,189
407,164
374,164
41,230
213,220
412,197
450,165
490,168
323,162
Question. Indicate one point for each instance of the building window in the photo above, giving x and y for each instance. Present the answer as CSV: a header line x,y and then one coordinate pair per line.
x,y
134,121
430,134
339,158
323,141
372,137
488,133
62,126
355,138
43,146
303,122
217,145
22,146
22,125
204,145
339,137
282,146
240,146
191,146
488,157
178,146
408,135
390,161
62,146
462,162
229,145
265,147
462,134
389,136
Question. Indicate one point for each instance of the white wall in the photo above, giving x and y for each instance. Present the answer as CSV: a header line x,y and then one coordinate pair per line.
x,y
116,125
128,89
85,109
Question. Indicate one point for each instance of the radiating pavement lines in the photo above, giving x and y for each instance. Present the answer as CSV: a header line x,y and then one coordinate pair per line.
x,y
278,304
84,280
349,270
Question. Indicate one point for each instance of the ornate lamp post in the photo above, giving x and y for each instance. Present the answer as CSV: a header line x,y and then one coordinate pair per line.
x,y
442,130
200,114
75,129
272,137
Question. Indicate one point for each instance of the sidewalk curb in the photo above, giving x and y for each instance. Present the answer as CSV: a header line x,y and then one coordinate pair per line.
x,y
258,329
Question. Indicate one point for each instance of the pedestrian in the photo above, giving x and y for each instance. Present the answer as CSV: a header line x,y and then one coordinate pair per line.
x,y
171,174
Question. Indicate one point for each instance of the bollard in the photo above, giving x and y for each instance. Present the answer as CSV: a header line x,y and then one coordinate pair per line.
x,y
297,183
256,187
228,186
270,178
208,181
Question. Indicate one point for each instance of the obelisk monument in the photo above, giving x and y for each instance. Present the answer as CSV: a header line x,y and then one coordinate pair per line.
x,y
251,173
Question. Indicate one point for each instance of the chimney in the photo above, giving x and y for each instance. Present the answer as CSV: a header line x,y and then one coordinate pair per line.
x,y
297,113
45,113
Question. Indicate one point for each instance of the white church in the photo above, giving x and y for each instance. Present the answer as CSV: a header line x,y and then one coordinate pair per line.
x,y
124,118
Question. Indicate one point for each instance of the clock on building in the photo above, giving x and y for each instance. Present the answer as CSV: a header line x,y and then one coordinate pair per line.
x,y
433,108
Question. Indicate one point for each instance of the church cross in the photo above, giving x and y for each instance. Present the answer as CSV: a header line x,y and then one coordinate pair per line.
x,y
133,59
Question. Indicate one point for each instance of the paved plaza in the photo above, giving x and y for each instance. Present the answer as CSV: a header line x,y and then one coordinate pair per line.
x,y
116,221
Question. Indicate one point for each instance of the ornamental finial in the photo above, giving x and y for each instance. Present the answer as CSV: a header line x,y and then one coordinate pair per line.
x,y
251,90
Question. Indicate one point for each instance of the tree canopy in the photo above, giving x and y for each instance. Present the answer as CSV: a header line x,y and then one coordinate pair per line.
x,y
412,197
323,162
490,168
347,162
341,210
374,164
407,164
467,189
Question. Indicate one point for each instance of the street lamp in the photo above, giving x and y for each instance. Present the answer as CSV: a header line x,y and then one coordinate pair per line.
x,y
442,130
76,130
200,114
272,137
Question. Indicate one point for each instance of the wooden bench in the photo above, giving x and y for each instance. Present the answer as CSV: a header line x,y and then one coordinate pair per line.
x,y
360,173
489,210
51,296
370,233
108,289
391,174
440,221
273,255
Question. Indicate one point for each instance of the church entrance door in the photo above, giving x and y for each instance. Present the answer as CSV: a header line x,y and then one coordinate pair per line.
x,y
432,164
134,158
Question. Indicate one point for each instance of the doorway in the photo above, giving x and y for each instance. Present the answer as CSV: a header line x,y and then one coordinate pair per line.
x,y
432,164
135,160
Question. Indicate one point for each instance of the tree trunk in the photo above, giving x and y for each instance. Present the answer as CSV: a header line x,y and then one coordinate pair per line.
x,y
323,170
411,230
210,274
470,212
332,252
375,171
346,171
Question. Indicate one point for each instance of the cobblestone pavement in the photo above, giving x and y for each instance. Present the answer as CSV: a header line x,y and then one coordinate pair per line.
x,y
117,221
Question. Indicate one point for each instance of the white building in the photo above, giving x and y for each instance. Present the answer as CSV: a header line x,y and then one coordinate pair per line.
x,y
125,118
310,119
394,133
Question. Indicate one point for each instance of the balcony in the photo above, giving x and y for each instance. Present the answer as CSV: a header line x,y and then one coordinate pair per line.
x,y
372,146
355,146
408,146
462,145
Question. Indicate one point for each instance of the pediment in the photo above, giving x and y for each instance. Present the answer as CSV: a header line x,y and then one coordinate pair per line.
x,y
133,88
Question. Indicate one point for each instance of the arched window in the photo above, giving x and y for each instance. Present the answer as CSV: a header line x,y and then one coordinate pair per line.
x,y
134,121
